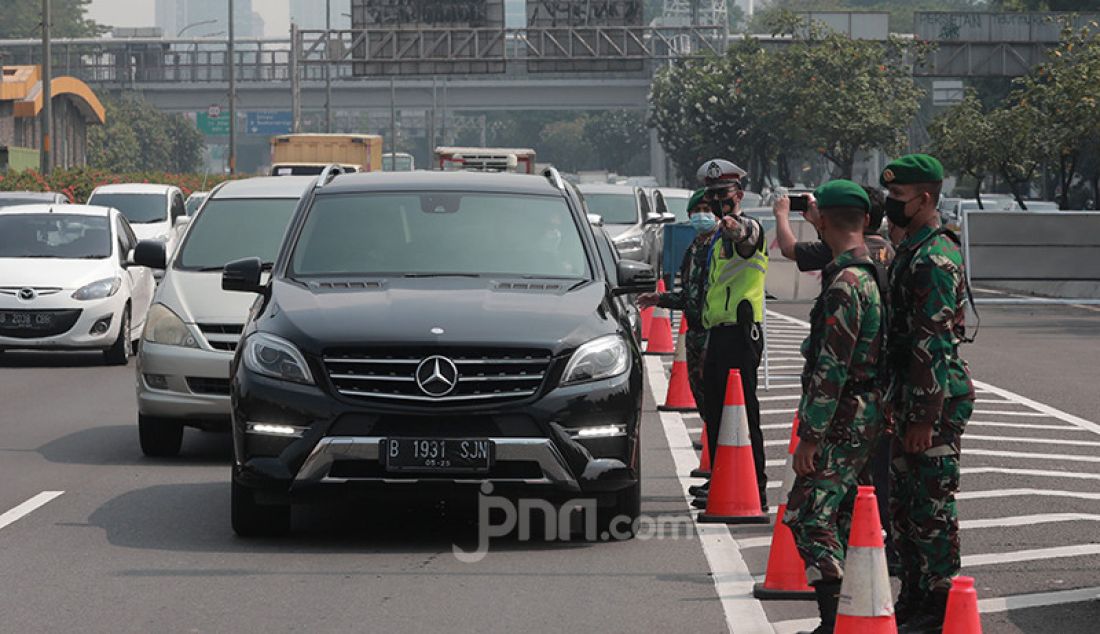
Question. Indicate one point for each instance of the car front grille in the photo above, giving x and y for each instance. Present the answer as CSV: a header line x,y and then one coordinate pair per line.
x,y
35,324
484,376
203,385
222,336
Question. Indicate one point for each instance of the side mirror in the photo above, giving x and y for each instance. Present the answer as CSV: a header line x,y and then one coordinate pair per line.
x,y
243,276
635,277
150,253
596,220
181,221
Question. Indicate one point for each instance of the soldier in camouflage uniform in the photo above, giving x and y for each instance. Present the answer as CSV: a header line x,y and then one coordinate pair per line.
x,y
689,297
840,417
931,396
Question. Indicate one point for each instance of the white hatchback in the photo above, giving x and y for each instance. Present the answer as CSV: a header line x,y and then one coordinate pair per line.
x,y
155,212
67,281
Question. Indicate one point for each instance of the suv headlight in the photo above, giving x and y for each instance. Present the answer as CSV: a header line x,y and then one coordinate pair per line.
x,y
600,358
277,358
165,327
632,243
99,289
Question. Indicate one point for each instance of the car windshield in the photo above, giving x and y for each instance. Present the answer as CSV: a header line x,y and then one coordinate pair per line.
x,y
12,201
194,201
63,236
138,208
229,229
677,206
615,209
439,233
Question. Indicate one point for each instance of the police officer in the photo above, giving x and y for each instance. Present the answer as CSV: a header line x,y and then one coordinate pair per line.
x,y
815,256
689,298
734,307
931,394
840,418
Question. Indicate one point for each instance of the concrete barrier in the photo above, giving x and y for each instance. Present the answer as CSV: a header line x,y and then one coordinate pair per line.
x,y
1052,256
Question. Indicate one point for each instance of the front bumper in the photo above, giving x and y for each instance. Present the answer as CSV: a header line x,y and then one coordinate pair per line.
x,y
79,335
192,384
537,442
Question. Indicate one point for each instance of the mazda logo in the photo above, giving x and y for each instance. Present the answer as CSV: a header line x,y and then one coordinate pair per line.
x,y
27,294
437,376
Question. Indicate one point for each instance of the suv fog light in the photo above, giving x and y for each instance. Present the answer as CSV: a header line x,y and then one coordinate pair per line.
x,y
101,326
157,381
605,431
269,429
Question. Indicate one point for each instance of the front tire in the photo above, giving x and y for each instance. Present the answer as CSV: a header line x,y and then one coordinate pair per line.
x,y
257,520
620,520
160,438
121,350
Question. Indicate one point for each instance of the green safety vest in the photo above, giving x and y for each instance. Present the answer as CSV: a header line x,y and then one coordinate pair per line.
x,y
733,280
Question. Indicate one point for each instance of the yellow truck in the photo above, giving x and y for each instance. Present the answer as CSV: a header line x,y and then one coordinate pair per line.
x,y
308,154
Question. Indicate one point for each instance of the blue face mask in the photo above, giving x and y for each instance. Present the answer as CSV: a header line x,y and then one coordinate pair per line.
x,y
703,222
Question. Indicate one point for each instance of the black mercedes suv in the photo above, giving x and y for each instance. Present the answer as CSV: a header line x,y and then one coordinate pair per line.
x,y
422,332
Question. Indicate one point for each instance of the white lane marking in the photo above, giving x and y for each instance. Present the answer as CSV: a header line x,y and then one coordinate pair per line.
x,y
28,507
1030,456
1041,407
732,579
997,412
1029,520
1012,493
766,412
776,426
992,401
1037,441
782,397
1035,600
982,423
1034,554
777,443
1042,473
785,368
782,386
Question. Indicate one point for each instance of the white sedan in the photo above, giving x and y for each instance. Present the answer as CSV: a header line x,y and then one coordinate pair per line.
x,y
67,281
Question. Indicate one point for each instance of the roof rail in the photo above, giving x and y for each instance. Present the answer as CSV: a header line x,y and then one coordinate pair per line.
x,y
331,171
554,177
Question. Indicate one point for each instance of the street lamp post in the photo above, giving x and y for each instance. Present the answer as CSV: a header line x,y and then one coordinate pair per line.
x,y
328,66
194,24
46,126
232,96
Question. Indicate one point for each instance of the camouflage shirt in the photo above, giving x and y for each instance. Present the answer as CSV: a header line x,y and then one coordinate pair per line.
x,y
927,323
691,295
842,352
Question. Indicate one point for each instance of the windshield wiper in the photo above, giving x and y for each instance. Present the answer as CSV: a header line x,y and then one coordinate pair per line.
x,y
414,275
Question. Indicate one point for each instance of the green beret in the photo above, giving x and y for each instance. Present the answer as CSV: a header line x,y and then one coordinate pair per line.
x,y
696,198
912,168
841,193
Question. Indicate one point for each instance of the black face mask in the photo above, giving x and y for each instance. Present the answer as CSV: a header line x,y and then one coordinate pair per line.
x,y
895,211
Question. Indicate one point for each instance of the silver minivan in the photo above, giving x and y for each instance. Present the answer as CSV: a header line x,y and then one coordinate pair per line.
x,y
193,325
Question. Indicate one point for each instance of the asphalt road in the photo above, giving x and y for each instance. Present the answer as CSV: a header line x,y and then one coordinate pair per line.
x,y
134,544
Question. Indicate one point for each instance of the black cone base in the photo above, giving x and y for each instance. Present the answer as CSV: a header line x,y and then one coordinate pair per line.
x,y
767,594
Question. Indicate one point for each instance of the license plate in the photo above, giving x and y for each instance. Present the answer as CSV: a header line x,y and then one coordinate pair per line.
x,y
26,320
443,455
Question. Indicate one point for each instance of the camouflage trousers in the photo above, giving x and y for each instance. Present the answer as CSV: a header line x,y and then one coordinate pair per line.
x,y
695,347
922,503
819,509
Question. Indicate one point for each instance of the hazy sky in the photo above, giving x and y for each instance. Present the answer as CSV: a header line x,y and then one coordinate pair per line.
x,y
276,14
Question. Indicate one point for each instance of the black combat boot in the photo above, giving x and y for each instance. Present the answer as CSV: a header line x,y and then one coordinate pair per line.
x,y
827,594
929,619
699,489
910,600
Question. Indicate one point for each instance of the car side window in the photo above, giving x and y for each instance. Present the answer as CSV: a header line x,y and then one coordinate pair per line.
x,y
609,257
124,239
178,208
643,200
659,199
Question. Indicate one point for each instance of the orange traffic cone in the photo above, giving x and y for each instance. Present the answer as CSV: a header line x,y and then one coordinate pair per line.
x,y
647,313
786,575
734,497
866,605
962,608
660,333
679,397
704,458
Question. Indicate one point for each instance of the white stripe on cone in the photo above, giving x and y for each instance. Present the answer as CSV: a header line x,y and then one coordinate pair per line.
x,y
865,591
734,431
